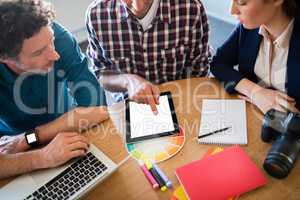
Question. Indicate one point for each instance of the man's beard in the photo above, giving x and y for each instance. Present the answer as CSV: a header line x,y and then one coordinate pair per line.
x,y
41,71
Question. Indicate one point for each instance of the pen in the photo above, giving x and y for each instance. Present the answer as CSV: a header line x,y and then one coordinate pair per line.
x,y
148,175
162,175
211,133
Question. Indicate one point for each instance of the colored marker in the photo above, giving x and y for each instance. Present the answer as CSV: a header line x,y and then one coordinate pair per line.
x,y
148,164
148,175
158,179
167,182
154,173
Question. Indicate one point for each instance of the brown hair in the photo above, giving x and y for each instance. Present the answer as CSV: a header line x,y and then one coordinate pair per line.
x,y
20,20
290,8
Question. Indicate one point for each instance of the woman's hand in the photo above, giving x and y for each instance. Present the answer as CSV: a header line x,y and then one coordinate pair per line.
x,y
266,99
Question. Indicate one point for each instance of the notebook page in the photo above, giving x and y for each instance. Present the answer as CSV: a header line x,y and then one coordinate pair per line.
x,y
221,113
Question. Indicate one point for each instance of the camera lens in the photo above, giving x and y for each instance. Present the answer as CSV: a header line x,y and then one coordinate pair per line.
x,y
282,156
278,165
283,129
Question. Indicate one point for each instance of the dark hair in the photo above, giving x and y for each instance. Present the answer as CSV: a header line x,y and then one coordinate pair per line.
x,y
290,7
20,20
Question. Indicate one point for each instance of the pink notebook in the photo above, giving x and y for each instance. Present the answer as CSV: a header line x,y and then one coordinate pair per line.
x,y
226,174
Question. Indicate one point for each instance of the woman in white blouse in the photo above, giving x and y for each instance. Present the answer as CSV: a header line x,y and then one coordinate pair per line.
x,y
266,48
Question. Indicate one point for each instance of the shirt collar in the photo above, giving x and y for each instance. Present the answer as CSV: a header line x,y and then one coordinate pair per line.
x,y
263,32
6,74
284,39
163,11
121,8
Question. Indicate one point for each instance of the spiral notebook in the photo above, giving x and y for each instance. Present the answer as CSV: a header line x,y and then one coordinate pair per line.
x,y
222,113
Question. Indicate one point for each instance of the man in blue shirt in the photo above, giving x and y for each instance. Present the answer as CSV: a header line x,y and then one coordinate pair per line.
x,y
43,74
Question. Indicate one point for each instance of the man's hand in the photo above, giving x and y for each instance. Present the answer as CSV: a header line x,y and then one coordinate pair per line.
x,y
62,148
79,119
142,91
265,99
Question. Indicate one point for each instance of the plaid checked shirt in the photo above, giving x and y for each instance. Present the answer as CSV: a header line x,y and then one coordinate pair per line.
x,y
174,47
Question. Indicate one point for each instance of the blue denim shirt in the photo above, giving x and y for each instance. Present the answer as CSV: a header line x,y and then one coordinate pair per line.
x,y
28,100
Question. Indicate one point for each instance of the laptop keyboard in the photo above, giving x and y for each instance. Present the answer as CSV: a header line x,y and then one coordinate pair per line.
x,y
72,179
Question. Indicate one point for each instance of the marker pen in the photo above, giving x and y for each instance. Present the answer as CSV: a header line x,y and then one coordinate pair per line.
x,y
155,174
148,175
158,179
167,182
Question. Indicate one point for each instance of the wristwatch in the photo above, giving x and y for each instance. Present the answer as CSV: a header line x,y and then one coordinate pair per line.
x,y
32,138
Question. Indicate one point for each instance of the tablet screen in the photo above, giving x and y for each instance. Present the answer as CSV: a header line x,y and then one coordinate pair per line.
x,y
144,124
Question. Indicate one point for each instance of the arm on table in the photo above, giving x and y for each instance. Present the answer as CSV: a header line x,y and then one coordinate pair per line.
x,y
265,99
62,132
222,67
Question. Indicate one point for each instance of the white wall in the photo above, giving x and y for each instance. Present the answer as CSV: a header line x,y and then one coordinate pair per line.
x,y
219,9
71,14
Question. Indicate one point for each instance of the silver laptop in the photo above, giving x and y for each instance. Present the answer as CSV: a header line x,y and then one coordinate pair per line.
x,y
69,181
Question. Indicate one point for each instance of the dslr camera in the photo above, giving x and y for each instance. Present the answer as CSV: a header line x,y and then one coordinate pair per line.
x,y
283,129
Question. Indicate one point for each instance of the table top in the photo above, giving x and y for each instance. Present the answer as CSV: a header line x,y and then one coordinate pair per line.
x,y
128,182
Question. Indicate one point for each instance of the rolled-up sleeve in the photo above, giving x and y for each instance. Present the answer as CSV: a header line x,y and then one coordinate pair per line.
x,y
95,51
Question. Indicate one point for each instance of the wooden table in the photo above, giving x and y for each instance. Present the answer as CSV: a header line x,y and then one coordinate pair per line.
x,y
129,181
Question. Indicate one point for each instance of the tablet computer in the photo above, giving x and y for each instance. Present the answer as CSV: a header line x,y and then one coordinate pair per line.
x,y
142,124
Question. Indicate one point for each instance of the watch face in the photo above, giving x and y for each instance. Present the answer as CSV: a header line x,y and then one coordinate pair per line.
x,y
31,138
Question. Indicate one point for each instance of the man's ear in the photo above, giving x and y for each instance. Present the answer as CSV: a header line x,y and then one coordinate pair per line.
x,y
3,60
11,63
7,61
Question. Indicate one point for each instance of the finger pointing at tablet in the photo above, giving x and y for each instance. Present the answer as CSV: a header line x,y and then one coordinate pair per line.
x,y
143,124
142,91
153,99
151,102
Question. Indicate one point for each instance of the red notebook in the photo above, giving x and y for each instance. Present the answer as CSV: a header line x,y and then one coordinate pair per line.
x,y
226,174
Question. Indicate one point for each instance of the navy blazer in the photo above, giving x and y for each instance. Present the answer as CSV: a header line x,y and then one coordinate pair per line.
x,y
242,48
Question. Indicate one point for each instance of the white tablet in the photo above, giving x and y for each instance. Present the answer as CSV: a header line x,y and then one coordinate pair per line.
x,y
142,124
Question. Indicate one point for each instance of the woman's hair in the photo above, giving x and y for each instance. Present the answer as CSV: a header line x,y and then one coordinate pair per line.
x,y
20,20
291,7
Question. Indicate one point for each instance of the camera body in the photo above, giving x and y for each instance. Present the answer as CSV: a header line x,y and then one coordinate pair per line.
x,y
283,129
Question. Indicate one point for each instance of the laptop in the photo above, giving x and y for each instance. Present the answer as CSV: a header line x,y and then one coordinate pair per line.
x,y
70,181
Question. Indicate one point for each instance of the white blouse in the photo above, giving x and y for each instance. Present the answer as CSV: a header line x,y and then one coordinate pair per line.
x,y
271,62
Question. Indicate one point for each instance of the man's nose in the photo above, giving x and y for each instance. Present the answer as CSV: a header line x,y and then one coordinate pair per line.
x,y
53,55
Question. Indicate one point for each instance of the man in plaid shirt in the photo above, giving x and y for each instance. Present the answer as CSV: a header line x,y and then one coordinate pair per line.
x,y
135,44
